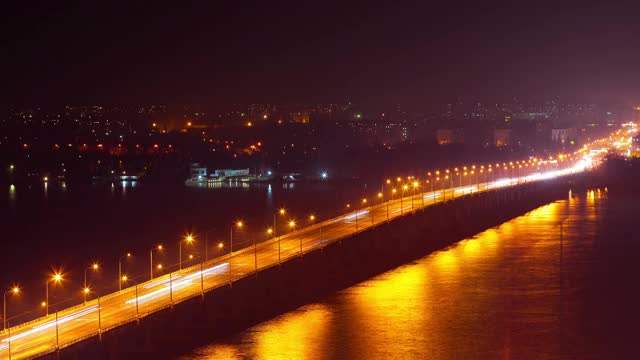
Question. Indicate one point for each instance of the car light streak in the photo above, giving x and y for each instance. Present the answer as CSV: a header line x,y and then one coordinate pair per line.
x,y
431,196
53,323
353,216
161,281
468,188
174,285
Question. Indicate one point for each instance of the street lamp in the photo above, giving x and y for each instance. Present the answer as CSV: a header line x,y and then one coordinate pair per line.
x,y
292,225
239,224
158,248
188,239
56,278
15,290
415,184
282,211
86,290
404,188
125,256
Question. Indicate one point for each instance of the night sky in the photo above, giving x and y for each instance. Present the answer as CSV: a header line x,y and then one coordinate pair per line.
x,y
369,52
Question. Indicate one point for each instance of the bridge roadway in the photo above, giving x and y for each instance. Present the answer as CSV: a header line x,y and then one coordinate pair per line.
x,y
74,324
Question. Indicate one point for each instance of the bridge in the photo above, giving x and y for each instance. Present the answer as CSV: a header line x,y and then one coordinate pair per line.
x,y
397,198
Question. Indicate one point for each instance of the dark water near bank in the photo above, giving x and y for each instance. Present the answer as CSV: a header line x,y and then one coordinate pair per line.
x,y
557,283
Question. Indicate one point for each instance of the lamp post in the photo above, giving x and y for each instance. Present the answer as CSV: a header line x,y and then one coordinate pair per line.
x,y
15,290
239,225
282,211
206,244
125,256
393,192
404,188
270,233
292,225
57,278
85,289
364,203
158,248
188,239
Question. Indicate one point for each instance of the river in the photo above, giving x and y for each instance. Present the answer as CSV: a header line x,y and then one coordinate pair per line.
x,y
557,283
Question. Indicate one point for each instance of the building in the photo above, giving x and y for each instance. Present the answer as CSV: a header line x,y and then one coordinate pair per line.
x,y
502,137
300,117
563,135
197,171
450,136
230,172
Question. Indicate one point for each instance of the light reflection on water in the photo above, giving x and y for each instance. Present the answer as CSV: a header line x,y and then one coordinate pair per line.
x,y
513,292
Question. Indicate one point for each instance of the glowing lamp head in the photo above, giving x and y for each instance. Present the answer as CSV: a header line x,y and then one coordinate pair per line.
x,y
379,194
86,290
125,278
239,224
312,217
57,277
43,304
189,238
95,266
415,184
282,211
220,245
405,187
159,247
364,201
292,223
394,191
269,231
15,290
159,266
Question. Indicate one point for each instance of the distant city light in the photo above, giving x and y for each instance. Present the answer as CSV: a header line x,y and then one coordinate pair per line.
x,y
324,175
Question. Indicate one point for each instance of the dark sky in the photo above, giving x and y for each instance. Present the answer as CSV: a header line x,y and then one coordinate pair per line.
x,y
307,51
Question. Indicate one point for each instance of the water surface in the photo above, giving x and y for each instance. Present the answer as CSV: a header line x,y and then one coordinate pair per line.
x,y
557,283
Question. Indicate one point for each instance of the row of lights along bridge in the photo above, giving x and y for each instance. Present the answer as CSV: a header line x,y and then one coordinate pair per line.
x,y
432,178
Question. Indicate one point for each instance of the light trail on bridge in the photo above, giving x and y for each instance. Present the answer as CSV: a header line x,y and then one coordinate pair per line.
x,y
69,326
